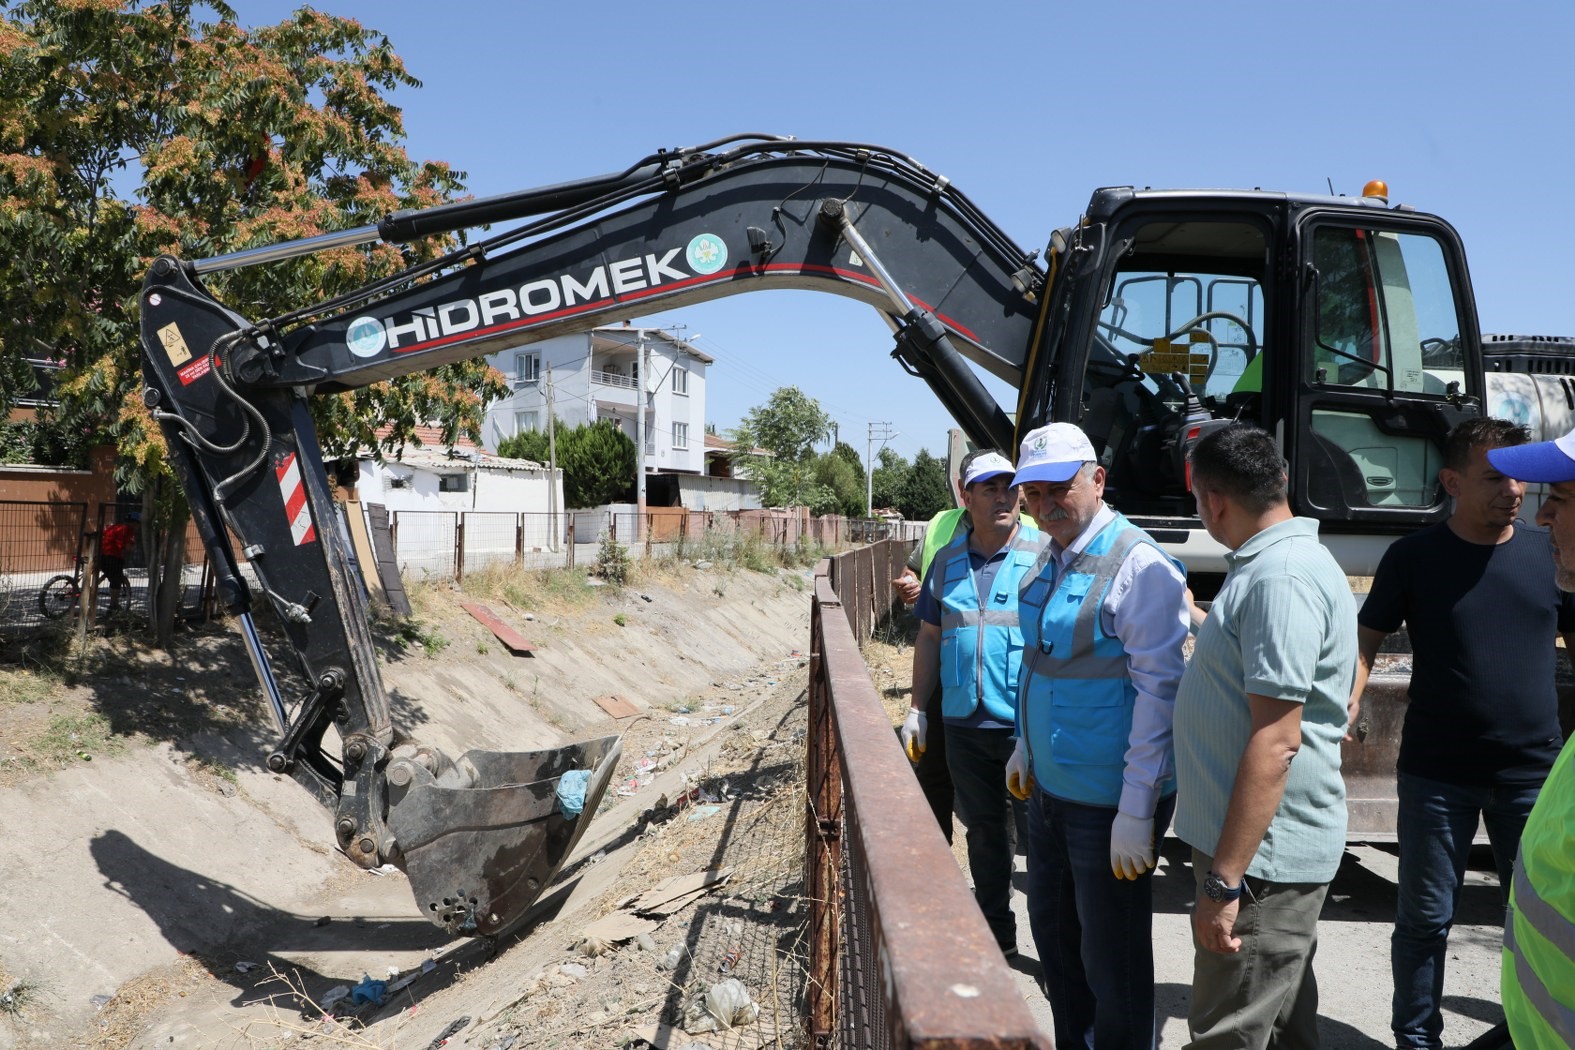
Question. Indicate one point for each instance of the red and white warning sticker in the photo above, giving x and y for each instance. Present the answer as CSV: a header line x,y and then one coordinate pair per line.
x,y
296,510
195,370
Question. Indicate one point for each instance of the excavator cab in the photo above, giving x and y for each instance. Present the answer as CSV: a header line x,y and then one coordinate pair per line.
x,y
1342,326
1178,342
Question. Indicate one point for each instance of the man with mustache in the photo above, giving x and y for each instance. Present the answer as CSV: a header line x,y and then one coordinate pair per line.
x,y
1103,625
1481,729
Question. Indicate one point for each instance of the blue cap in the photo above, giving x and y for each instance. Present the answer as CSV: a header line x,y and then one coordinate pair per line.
x,y
1544,461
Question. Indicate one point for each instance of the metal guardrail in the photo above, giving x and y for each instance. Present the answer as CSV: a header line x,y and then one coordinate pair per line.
x,y
900,955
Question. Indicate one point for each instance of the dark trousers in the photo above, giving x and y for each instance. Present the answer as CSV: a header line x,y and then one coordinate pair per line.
x,y
1094,932
1437,822
935,780
977,758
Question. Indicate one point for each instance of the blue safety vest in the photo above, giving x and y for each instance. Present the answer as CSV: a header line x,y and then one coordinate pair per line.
x,y
1075,711
982,649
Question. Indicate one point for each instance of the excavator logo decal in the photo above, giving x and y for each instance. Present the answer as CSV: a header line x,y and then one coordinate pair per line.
x,y
296,512
707,253
532,302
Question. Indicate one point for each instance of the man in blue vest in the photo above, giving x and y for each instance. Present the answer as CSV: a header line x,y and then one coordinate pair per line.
x,y
1103,618
924,730
969,642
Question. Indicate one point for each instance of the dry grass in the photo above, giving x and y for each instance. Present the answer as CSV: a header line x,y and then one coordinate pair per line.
x,y
120,1020
890,661
16,994
544,592
889,657
24,685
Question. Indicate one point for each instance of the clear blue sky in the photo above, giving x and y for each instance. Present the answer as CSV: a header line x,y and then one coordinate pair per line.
x,y
1464,108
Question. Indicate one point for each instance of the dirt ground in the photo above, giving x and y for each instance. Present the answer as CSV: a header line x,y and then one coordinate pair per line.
x,y
143,944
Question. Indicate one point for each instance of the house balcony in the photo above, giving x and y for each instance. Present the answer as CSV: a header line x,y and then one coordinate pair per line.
x,y
612,379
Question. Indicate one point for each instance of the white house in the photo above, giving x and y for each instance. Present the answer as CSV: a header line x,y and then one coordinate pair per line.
x,y
503,503
429,477
594,375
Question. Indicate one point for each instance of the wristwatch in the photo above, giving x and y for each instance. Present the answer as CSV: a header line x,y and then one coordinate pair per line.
x,y
1218,892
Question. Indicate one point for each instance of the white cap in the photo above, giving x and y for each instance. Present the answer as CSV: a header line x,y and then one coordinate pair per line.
x,y
985,467
1053,453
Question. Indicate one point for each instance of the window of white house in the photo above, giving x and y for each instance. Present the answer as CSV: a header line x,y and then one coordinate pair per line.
x,y
527,367
453,482
524,421
681,381
680,435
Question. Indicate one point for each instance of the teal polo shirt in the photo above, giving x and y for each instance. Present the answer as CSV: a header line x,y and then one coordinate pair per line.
x,y
1283,626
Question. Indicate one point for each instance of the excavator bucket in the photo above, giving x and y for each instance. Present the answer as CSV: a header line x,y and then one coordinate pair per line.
x,y
483,838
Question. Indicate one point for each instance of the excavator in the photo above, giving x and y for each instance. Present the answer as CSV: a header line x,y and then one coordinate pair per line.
x,y
1343,325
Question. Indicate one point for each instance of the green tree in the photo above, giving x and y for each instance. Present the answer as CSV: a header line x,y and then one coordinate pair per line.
x,y
843,486
787,427
926,491
530,444
130,130
598,463
891,478
597,459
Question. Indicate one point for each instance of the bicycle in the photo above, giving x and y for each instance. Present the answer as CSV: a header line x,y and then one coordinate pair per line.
x,y
60,594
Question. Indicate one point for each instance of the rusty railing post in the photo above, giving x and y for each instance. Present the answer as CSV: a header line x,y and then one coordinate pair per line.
x,y
823,838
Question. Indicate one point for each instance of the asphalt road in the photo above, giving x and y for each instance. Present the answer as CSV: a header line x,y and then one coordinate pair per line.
x,y
1352,963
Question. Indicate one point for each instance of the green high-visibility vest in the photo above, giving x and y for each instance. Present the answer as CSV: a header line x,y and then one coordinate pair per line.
x,y
937,534
1538,981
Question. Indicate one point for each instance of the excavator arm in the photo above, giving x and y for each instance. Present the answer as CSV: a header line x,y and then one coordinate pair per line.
x,y
482,835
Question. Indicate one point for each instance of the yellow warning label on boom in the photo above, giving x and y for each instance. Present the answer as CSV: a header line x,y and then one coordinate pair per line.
x,y
175,346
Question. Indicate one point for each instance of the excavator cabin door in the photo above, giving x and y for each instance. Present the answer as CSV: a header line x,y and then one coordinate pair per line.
x,y
1388,362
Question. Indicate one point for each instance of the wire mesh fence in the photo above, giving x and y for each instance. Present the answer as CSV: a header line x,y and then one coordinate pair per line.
x,y
54,569
892,922
40,560
434,544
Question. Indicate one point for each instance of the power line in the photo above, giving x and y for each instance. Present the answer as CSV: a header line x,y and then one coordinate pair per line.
x,y
885,433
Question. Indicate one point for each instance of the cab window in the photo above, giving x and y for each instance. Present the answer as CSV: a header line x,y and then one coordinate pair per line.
x,y
1180,336
1384,327
1385,312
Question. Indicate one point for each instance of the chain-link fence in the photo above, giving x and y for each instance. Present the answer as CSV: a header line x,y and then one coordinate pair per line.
x,y
893,925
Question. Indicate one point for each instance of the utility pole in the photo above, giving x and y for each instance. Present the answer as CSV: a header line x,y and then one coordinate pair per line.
x,y
552,468
639,440
885,433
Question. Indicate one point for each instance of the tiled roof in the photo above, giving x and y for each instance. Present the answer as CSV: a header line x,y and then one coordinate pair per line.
x,y
431,438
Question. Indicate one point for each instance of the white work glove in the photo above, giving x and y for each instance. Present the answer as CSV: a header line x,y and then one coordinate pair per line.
x,y
913,733
1019,777
1131,846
